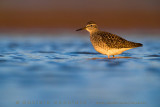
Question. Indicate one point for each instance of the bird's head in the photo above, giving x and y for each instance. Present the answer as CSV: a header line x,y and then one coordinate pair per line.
x,y
90,27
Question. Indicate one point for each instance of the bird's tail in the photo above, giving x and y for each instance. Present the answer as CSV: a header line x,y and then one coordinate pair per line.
x,y
138,45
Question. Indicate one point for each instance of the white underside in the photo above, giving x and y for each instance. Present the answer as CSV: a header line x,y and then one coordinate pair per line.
x,y
111,51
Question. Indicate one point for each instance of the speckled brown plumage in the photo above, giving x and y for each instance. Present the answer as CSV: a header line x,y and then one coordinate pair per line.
x,y
114,41
107,43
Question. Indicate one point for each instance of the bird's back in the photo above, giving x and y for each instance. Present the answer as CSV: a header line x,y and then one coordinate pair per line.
x,y
101,39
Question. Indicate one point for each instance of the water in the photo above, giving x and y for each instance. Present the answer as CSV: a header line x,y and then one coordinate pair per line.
x,y
69,70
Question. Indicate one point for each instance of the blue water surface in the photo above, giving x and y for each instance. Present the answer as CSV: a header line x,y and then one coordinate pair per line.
x,y
67,71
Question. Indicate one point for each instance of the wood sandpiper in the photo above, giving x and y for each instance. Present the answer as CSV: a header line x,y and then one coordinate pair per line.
x,y
107,43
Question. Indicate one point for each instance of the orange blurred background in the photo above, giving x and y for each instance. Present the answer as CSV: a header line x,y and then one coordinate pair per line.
x,y
123,14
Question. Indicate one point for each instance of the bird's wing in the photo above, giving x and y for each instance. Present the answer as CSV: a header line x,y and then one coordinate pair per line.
x,y
114,41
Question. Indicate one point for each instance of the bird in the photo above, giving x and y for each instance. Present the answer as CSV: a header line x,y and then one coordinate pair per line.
x,y
107,43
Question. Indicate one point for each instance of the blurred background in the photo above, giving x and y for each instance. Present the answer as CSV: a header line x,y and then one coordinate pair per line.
x,y
43,58
51,15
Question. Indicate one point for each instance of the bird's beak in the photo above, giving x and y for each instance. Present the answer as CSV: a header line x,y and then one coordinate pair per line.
x,y
81,29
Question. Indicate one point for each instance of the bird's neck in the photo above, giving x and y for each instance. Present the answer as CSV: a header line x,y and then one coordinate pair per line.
x,y
93,31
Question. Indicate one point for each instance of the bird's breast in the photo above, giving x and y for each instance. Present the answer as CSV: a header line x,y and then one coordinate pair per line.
x,y
98,44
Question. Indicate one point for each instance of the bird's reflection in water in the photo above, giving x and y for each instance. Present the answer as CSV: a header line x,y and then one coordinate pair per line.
x,y
111,58
113,61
